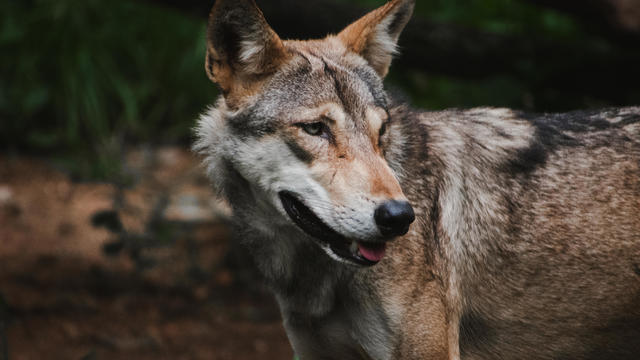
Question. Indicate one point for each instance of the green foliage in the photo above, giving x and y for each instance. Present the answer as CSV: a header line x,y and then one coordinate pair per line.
x,y
82,78
437,92
513,17
502,17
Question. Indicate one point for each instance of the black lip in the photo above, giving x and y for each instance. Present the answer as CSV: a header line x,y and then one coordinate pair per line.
x,y
311,224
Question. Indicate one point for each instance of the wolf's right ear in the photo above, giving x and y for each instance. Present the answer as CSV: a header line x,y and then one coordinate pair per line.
x,y
241,46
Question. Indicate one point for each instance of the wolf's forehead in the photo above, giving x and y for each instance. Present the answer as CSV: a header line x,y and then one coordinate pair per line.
x,y
311,80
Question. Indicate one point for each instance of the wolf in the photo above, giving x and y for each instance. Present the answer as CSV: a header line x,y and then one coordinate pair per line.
x,y
390,233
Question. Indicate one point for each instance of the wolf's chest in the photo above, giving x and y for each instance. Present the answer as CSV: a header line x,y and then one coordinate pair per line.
x,y
358,335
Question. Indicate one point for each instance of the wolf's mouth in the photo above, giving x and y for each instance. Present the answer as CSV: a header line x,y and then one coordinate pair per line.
x,y
358,252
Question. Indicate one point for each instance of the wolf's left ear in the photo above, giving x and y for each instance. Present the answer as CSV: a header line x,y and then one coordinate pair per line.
x,y
375,36
241,46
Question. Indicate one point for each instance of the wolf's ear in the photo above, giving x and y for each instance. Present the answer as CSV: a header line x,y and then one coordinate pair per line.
x,y
241,47
375,36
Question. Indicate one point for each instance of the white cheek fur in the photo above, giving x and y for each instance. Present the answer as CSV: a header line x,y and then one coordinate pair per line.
x,y
270,166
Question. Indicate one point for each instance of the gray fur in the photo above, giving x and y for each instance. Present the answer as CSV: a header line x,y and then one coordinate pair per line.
x,y
526,243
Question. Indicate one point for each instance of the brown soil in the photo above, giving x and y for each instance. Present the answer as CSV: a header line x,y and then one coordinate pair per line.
x,y
167,294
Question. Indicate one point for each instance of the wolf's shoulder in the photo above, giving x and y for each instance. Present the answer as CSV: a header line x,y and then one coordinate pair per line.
x,y
522,142
585,122
569,128
581,121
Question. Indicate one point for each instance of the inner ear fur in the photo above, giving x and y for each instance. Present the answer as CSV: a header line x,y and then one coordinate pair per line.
x,y
241,46
375,36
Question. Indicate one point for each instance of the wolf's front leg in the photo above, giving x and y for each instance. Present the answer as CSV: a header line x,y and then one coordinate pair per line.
x,y
322,345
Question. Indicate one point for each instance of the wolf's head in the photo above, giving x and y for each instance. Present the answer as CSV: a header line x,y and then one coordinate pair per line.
x,y
304,124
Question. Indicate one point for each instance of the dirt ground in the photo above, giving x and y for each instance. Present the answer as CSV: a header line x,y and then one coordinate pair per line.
x,y
142,271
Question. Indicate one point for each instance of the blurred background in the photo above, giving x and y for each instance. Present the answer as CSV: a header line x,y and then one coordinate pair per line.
x,y
112,244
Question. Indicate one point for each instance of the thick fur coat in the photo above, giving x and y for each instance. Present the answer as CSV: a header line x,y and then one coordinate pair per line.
x,y
526,239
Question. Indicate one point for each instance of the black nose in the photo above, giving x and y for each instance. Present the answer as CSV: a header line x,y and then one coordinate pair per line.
x,y
394,217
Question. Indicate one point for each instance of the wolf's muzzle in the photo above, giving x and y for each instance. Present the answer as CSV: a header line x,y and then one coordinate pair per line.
x,y
358,252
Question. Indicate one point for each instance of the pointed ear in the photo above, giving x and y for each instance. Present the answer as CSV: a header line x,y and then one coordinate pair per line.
x,y
375,36
241,47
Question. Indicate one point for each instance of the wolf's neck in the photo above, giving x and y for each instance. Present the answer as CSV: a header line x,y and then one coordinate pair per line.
x,y
444,163
318,296
294,267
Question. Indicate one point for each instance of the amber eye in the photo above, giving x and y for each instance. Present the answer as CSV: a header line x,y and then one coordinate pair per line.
x,y
314,129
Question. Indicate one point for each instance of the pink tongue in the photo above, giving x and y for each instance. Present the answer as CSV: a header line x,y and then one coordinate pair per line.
x,y
372,253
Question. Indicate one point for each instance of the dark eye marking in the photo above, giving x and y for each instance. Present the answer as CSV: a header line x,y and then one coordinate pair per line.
x,y
299,152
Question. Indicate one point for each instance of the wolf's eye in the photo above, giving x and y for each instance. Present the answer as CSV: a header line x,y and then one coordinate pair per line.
x,y
383,130
318,128
314,129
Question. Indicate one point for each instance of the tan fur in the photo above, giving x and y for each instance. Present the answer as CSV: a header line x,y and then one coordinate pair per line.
x,y
526,242
357,35
369,36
